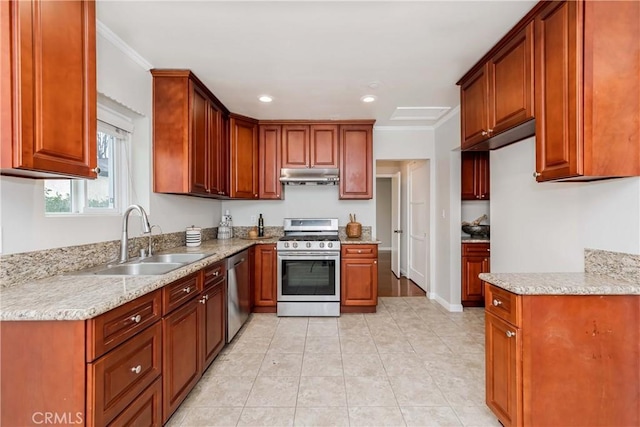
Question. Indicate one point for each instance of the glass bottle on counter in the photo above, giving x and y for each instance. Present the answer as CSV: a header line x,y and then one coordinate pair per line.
x,y
260,226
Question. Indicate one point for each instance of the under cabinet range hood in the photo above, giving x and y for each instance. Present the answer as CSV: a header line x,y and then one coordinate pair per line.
x,y
310,176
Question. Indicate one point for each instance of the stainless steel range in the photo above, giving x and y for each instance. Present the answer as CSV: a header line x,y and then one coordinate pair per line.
x,y
309,268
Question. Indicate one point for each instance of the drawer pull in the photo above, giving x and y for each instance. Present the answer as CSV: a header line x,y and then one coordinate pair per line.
x,y
510,334
216,274
137,369
187,289
359,251
204,299
497,302
136,319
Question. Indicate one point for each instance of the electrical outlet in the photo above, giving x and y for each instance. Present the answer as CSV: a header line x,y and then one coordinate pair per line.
x,y
253,219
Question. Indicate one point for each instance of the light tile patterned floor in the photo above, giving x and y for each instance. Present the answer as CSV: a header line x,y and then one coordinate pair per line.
x,y
410,364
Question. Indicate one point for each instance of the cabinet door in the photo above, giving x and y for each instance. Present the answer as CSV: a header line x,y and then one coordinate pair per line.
x,y
295,146
213,303
218,158
144,411
323,146
181,363
359,282
244,158
558,94
475,175
265,276
511,83
53,88
200,110
482,175
504,370
356,162
474,95
269,149
472,286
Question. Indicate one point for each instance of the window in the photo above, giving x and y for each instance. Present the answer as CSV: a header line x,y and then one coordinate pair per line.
x,y
104,195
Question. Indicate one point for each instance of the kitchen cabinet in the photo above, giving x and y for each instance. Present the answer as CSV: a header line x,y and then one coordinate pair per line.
x,y
181,326
309,146
270,160
475,260
498,95
213,312
359,278
475,175
49,89
562,359
265,278
92,372
586,102
189,136
356,161
244,157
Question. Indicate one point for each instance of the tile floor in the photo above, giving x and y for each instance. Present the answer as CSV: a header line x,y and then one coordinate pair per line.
x,y
410,364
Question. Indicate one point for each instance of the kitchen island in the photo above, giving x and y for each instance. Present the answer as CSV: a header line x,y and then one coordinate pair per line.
x,y
562,349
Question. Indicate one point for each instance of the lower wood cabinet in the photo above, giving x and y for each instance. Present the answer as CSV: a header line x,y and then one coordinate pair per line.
x,y
213,304
475,260
145,410
560,360
265,277
359,278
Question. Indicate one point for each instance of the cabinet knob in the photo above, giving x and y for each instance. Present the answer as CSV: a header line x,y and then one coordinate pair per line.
x,y
490,131
187,289
359,251
136,319
137,369
497,302
96,170
255,195
484,133
375,262
536,174
203,301
510,334
217,273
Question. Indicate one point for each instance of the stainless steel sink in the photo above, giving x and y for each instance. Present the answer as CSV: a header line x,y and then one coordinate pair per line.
x,y
138,269
179,258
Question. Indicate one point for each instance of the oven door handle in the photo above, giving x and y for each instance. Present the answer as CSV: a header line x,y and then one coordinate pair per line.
x,y
282,254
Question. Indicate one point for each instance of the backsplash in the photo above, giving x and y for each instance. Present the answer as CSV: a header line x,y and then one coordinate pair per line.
x,y
617,265
21,267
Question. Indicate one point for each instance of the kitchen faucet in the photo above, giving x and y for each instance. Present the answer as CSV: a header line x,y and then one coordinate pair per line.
x,y
124,246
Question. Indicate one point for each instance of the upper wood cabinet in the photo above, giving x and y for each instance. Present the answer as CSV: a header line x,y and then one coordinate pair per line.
x,y
310,146
243,141
587,106
48,77
498,94
189,136
356,161
269,162
475,181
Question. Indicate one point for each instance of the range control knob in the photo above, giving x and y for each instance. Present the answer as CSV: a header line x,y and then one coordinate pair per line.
x,y
308,244
322,244
286,244
294,244
330,245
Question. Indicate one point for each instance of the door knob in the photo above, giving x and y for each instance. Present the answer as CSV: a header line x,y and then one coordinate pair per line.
x,y
397,231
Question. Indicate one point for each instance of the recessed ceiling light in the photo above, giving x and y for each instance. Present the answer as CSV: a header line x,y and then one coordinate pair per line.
x,y
265,98
368,98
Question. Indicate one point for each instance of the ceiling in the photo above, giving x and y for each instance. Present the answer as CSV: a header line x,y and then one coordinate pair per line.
x,y
318,58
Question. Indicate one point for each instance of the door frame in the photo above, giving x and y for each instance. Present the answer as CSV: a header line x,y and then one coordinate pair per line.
x,y
401,211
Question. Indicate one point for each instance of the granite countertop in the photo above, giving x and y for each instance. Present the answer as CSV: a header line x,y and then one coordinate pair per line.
x,y
561,284
363,240
79,297
475,240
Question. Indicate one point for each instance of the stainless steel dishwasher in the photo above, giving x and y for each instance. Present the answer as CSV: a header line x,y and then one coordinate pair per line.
x,y
238,292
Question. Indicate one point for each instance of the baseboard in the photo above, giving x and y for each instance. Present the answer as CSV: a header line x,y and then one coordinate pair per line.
x,y
453,308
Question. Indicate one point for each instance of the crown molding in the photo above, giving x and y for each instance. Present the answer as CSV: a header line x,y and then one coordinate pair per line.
x,y
123,47
403,128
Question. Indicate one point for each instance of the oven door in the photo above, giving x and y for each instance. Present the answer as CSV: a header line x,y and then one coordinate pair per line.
x,y
308,276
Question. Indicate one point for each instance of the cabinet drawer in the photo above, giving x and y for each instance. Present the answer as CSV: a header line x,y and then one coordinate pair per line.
x,y
180,291
110,329
114,380
475,249
214,272
503,304
360,251
145,411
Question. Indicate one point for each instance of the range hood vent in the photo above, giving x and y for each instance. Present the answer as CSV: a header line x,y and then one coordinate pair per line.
x,y
309,176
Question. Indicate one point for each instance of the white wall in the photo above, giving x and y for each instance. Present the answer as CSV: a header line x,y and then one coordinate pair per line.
x,y
545,227
24,225
383,212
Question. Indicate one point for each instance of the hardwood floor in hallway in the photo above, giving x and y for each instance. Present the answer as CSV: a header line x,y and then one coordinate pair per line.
x,y
389,285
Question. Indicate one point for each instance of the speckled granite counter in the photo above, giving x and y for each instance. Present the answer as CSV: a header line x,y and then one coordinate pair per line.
x,y
475,240
78,297
561,284
363,240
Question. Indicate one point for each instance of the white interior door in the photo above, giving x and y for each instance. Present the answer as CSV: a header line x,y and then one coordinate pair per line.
x,y
418,223
396,225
